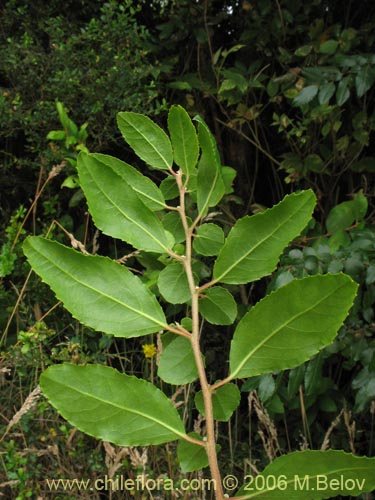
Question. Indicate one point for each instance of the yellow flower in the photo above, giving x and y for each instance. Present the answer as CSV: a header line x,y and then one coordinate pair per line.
x,y
149,350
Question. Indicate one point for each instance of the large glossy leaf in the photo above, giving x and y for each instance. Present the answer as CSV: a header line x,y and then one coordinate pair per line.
x,y
117,209
210,185
112,406
177,364
290,325
147,190
184,139
254,244
147,139
97,291
312,475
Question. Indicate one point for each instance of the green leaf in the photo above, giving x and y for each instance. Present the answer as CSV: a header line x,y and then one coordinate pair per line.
x,y
97,291
370,275
147,139
329,47
337,240
184,139
225,401
303,51
147,190
296,376
191,456
172,223
177,364
306,95
266,388
326,91
364,80
366,164
112,406
173,284
209,239
360,206
314,163
342,92
254,244
218,306
340,217
169,188
71,182
210,185
228,175
312,475
290,325
117,209
56,135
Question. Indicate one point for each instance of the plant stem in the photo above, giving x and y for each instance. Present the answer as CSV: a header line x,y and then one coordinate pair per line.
x,y
207,395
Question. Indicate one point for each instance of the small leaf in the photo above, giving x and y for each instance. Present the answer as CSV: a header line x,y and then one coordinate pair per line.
x,y
360,206
169,188
314,163
71,182
209,239
340,217
303,51
342,92
218,306
254,244
228,175
306,95
191,456
147,139
111,406
266,387
326,91
177,364
173,284
117,209
172,223
370,275
56,135
296,376
329,47
364,80
312,475
184,139
97,291
210,185
366,164
225,401
290,325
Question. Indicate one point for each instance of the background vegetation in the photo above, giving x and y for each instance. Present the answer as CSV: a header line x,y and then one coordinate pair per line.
x,y
288,90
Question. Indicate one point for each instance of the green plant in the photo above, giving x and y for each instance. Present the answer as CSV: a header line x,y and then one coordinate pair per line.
x,y
199,267
344,371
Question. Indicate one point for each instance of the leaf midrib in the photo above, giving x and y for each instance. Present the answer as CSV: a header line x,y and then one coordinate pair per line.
x,y
275,332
